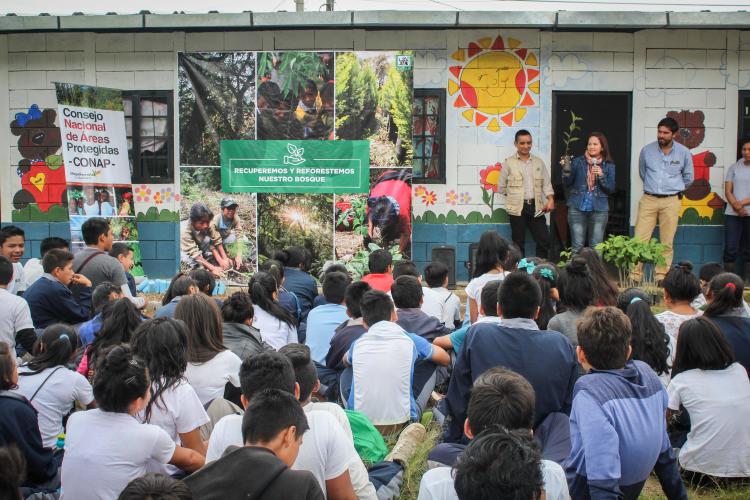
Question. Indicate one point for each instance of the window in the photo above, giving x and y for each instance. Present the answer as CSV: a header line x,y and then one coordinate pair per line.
x,y
150,132
429,136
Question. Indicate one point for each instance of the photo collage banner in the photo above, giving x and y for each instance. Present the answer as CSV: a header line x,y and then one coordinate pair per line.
x,y
299,96
96,164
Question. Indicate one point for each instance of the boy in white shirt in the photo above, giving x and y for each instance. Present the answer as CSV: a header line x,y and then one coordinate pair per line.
x,y
33,267
15,317
442,301
326,451
12,245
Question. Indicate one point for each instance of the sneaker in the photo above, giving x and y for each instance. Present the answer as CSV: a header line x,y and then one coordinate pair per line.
x,y
407,443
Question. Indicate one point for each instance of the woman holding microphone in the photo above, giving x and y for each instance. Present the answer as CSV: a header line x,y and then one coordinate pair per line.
x,y
591,179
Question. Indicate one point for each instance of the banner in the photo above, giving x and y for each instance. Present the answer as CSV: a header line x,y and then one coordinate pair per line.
x,y
295,166
95,158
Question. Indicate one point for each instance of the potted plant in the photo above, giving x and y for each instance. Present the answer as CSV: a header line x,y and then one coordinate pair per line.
x,y
625,253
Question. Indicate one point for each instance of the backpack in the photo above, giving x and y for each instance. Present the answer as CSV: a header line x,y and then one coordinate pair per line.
x,y
368,441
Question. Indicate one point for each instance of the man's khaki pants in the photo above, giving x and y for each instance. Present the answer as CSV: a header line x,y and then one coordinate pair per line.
x,y
665,211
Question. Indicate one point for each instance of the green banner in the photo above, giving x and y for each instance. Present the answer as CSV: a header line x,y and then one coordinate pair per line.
x,y
295,166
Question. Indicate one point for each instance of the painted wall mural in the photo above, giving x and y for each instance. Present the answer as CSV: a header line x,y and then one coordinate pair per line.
x,y
700,205
495,82
42,196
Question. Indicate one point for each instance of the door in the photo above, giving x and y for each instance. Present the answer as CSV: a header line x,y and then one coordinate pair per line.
x,y
606,112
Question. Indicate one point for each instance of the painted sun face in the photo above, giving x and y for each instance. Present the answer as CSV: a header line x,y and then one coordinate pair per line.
x,y
495,83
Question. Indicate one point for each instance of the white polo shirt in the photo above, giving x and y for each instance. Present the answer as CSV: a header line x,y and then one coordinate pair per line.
x,y
14,316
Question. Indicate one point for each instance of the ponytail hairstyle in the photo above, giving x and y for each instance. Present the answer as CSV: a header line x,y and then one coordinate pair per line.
x,y
203,321
492,252
262,286
648,339
162,342
546,276
120,379
576,286
724,294
605,290
275,269
179,286
56,347
681,284
119,320
296,257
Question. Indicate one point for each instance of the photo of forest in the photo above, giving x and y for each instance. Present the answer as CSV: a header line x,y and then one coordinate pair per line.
x,y
295,95
374,102
217,101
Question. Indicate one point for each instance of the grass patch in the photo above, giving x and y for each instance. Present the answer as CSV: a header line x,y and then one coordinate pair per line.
x,y
417,465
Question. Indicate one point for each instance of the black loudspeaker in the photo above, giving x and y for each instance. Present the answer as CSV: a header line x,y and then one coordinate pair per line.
x,y
471,264
446,255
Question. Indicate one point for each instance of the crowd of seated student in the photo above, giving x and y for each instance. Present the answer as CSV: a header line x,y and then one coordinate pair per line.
x,y
550,389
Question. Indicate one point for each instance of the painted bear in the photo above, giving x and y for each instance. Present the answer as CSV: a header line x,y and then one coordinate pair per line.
x,y
41,168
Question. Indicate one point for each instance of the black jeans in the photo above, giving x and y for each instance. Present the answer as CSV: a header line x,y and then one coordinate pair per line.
x,y
537,226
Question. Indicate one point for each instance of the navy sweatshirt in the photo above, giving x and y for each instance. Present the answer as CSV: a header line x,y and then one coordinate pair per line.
x,y
736,329
52,302
618,434
19,427
545,358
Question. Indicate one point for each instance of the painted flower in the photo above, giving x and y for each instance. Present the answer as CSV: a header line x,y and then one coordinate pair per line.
x,y
167,195
451,197
489,177
420,191
429,198
465,198
177,197
143,193
158,198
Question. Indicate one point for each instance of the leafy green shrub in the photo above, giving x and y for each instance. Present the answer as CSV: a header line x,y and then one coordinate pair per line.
x,y
626,253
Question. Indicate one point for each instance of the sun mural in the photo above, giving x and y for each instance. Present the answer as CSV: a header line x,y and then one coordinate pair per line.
x,y
497,81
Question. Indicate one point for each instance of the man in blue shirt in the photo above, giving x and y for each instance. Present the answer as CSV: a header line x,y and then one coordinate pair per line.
x,y
666,169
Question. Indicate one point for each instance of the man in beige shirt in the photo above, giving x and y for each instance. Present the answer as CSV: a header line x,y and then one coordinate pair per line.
x,y
201,244
228,225
525,182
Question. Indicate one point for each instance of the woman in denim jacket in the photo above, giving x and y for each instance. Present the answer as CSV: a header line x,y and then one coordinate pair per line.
x,y
590,178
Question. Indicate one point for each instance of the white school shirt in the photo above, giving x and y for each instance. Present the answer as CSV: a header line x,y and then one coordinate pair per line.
x,y
104,451
451,306
437,483
475,286
209,378
55,399
718,402
33,271
274,332
18,282
14,316
325,450
432,305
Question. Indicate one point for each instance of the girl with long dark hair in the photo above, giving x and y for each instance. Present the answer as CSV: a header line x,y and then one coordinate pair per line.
x,y
605,289
681,287
277,326
546,276
576,290
180,286
49,385
297,262
491,255
174,405
726,309
286,299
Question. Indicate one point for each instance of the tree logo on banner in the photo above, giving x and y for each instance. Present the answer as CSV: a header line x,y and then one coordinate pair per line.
x,y
496,81
295,155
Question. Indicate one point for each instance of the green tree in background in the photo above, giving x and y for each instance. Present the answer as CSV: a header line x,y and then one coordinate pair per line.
x,y
396,100
356,98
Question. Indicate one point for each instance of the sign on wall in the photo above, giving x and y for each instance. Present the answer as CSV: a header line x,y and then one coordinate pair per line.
x,y
295,166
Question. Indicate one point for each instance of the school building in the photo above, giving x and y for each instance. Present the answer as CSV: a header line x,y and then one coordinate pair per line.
x,y
478,76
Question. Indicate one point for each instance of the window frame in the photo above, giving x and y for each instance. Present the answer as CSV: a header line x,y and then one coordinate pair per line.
x,y
135,97
440,93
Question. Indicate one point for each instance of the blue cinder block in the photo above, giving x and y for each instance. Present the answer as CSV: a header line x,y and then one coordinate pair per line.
x,y
165,250
148,250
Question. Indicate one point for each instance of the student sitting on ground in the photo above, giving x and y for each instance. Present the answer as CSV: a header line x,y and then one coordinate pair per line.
x,y
726,310
714,390
605,289
487,314
285,298
33,268
240,336
277,326
431,304
156,487
326,451
206,283
12,244
500,398
179,287
546,275
19,427
332,268
12,472
124,255
449,305
50,298
297,279
383,362
617,428
680,289
545,358
103,294
211,366
706,274
51,388
351,329
380,264
649,341
16,325
491,254
576,290
270,442
174,406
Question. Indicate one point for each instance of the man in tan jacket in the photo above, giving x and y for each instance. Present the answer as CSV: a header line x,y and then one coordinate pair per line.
x,y
200,244
525,182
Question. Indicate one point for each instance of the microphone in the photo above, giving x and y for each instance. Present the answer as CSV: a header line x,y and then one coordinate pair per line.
x,y
594,162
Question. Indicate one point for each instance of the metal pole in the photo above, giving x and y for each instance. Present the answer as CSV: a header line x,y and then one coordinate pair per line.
x,y
329,5
300,4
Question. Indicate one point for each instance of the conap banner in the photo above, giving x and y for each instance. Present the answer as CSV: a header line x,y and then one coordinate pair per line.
x,y
295,166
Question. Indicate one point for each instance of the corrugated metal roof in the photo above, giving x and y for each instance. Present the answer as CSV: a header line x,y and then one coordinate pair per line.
x,y
146,21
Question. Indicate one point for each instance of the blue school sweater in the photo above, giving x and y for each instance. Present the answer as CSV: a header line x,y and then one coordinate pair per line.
x,y
52,302
545,358
736,329
618,433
